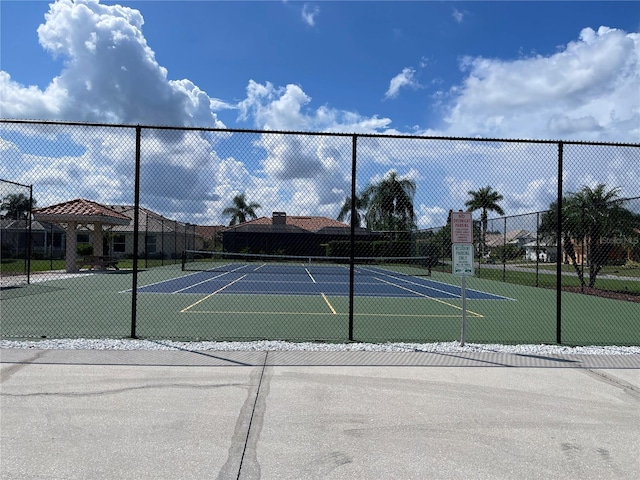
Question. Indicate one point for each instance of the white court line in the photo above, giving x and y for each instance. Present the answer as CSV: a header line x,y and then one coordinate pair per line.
x,y
404,279
212,294
180,278
310,276
208,280
395,277
427,296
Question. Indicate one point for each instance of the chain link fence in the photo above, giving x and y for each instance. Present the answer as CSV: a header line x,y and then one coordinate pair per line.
x,y
204,234
18,239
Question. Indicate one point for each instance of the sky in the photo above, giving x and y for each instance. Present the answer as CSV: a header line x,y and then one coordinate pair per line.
x,y
524,70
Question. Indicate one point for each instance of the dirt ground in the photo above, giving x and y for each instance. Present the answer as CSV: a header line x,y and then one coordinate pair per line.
x,y
628,297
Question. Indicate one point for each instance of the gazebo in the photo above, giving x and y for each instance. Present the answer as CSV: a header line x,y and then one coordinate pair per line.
x,y
80,212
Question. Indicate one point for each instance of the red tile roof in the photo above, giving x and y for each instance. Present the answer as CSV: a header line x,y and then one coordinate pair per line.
x,y
209,231
311,224
80,210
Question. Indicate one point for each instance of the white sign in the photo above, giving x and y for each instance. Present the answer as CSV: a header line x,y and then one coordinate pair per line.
x,y
461,227
462,255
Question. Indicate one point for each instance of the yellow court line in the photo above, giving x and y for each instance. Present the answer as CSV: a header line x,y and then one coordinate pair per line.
x,y
333,310
427,296
211,294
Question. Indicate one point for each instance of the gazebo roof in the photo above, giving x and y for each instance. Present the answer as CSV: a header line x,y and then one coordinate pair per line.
x,y
82,211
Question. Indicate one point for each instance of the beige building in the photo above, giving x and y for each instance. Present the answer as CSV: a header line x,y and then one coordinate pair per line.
x,y
109,231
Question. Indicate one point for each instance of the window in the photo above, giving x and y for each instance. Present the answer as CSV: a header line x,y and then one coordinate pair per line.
x,y
151,244
83,238
119,244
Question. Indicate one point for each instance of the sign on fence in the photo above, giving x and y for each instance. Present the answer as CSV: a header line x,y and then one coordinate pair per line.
x,y
461,227
462,255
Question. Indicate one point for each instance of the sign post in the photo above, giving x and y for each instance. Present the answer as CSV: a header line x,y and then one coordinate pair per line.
x,y
462,256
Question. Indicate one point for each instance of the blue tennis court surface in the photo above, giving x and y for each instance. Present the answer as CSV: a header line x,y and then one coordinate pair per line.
x,y
252,279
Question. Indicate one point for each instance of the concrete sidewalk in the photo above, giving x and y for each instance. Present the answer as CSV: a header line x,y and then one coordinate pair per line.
x,y
78,414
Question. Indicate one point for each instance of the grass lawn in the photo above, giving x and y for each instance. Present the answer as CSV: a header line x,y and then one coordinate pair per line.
x,y
549,280
617,270
18,265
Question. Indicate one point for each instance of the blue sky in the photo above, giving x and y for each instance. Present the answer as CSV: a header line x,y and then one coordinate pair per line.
x,y
544,70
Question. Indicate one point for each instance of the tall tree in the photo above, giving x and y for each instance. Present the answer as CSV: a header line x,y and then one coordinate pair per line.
x,y
486,200
548,231
240,211
345,211
389,204
594,218
598,217
17,205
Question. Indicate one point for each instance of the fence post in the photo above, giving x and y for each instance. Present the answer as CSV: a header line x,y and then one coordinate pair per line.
x,y
504,251
558,247
29,221
538,249
136,218
354,218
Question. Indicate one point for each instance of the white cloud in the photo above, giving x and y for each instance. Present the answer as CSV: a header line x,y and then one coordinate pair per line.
x,y
406,78
309,14
434,216
458,15
587,91
275,108
110,73
458,189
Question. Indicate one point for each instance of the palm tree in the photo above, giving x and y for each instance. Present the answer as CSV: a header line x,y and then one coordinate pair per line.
x,y
598,217
240,211
17,205
593,216
486,200
345,211
389,204
548,231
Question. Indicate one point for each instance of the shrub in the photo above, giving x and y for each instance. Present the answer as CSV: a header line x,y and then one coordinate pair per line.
x,y
85,249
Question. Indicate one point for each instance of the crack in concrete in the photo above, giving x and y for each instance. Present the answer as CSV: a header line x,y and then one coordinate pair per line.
x,y
250,467
242,458
7,372
626,387
116,391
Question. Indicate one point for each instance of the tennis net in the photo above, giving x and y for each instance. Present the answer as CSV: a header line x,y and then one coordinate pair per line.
x,y
197,260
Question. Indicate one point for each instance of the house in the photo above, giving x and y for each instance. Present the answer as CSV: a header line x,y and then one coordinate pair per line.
x,y
160,237
546,252
288,234
516,239
108,229
47,239
210,235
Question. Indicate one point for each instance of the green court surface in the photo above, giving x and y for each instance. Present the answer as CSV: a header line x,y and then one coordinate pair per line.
x,y
100,305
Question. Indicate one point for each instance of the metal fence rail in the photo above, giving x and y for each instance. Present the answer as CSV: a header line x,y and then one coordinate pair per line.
x,y
122,203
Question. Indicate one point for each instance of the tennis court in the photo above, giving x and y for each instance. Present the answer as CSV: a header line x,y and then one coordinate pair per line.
x,y
307,301
303,278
